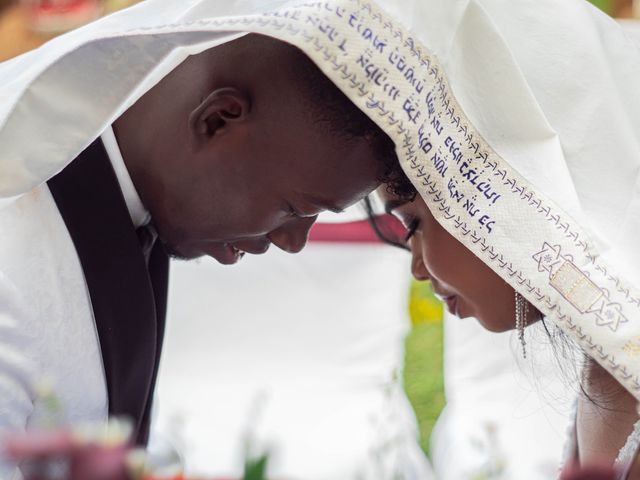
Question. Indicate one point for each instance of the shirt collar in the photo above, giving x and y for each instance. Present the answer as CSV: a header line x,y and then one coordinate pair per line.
x,y
139,214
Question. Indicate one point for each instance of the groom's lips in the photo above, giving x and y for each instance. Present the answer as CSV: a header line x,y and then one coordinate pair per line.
x,y
233,254
230,253
254,248
224,253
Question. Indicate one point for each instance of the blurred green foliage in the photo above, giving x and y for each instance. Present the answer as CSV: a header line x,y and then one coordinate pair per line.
x,y
256,468
424,307
423,369
604,5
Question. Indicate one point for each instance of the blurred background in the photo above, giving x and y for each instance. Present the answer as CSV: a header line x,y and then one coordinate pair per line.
x,y
26,24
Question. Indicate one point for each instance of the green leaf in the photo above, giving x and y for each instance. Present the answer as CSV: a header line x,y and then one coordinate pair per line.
x,y
256,469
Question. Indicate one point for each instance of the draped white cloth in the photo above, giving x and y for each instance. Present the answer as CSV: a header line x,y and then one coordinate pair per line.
x,y
302,352
518,121
500,407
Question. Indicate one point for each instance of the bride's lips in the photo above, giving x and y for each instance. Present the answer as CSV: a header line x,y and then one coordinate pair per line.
x,y
452,303
450,300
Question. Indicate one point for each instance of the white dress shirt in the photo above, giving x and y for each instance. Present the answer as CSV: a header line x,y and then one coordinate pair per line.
x,y
139,214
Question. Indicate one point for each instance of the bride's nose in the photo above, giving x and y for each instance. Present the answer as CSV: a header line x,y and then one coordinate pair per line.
x,y
418,268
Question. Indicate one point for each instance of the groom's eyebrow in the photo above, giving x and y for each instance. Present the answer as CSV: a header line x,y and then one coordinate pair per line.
x,y
324,205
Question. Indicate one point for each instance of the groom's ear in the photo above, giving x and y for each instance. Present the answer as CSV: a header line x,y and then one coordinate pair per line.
x,y
221,108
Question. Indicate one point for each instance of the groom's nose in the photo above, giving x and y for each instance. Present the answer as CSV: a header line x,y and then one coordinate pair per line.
x,y
292,236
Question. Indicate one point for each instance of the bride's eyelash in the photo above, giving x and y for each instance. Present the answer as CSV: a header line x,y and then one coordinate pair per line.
x,y
411,229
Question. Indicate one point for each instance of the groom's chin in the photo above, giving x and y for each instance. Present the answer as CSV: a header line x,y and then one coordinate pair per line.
x,y
223,253
179,253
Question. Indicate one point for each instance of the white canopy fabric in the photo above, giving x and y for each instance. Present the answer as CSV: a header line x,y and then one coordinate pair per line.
x,y
518,122
301,353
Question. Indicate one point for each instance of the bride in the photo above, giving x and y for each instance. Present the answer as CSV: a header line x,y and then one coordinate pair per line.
x,y
606,427
526,159
591,181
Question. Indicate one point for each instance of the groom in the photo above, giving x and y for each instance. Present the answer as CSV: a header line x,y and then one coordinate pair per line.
x,y
238,148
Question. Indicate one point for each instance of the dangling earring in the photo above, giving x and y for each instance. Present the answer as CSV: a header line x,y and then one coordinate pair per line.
x,y
522,312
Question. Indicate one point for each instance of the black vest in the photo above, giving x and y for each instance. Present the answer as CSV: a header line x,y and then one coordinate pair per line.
x,y
128,298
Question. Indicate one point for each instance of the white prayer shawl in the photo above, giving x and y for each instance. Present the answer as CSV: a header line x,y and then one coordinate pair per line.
x,y
517,121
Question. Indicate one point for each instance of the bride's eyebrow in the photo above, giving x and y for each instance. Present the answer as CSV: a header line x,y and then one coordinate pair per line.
x,y
391,205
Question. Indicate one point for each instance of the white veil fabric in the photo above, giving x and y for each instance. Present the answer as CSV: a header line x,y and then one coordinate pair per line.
x,y
518,122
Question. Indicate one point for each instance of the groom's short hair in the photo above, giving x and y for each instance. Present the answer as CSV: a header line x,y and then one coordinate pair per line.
x,y
332,110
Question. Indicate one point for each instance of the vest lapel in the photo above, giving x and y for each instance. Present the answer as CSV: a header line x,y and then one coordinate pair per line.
x,y
129,318
159,273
